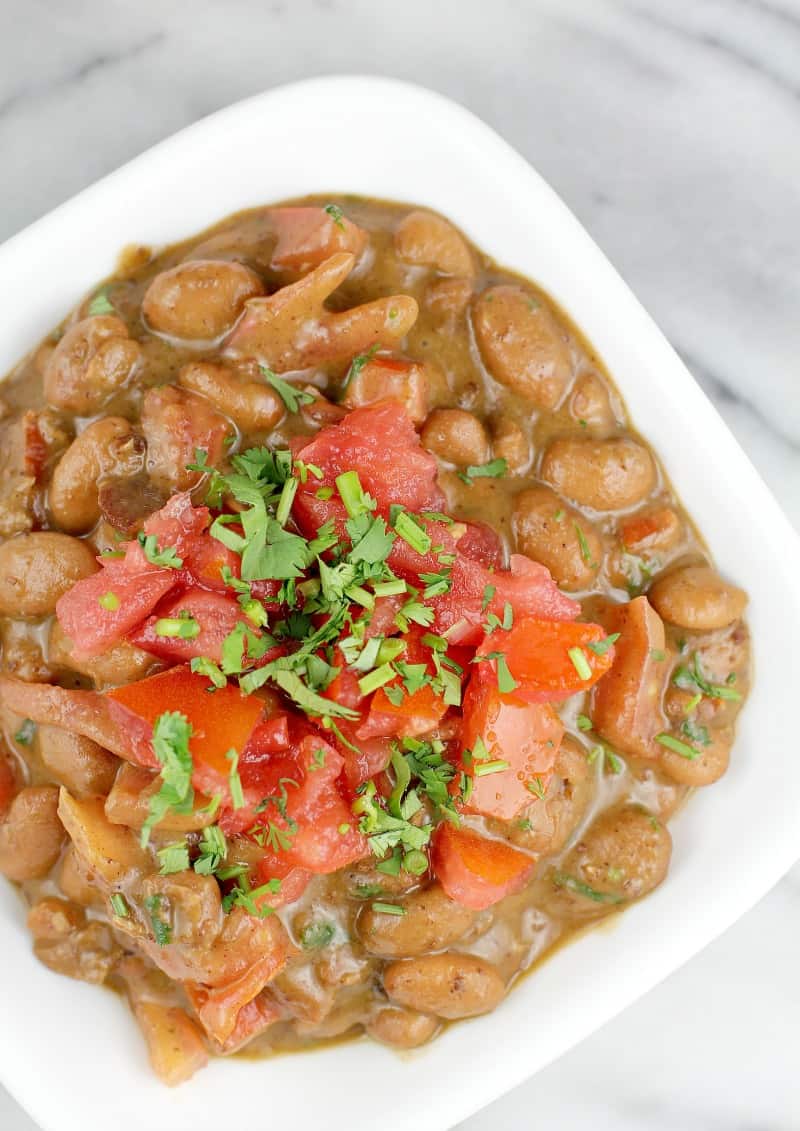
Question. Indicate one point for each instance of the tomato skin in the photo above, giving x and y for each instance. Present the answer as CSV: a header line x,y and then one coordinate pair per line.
x,y
527,586
475,871
537,654
526,735
216,615
221,720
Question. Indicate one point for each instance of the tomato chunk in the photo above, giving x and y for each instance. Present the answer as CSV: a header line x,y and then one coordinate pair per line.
x,y
551,660
221,721
215,615
308,236
475,871
520,744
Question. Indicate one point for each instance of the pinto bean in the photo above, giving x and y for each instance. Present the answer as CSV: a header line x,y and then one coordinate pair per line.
x,y
21,648
252,405
447,299
447,985
93,359
590,405
190,902
713,747
31,835
84,767
548,823
176,423
108,447
432,921
37,569
522,344
624,855
68,945
606,475
510,442
401,1028
456,436
199,300
697,598
428,240
551,532
123,663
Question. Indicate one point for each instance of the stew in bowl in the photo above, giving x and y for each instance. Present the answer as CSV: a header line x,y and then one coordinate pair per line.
x,y
356,651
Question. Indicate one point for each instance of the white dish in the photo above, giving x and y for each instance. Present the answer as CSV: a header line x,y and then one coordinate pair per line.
x,y
71,1054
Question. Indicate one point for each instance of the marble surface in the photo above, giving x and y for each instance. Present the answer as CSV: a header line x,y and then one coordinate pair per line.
x,y
673,131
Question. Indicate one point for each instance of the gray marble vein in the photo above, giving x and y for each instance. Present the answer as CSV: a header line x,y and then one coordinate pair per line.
x,y
672,129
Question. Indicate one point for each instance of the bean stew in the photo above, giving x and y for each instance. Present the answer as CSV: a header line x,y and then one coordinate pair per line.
x,y
355,650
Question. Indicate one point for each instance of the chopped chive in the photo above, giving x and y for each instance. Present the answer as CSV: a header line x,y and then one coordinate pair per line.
x,y
375,679
390,588
119,905
483,769
658,654
411,533
416,862
586,553
285,502
584,722
351,493
675,744
27,730
389,908
108,601
580,663
693,703
183,627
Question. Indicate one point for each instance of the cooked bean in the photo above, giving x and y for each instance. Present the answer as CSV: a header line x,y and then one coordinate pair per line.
x,y
123,663
175,424
713,747
456,436
432,921
590,405
252,405
660,795
606,475
548,823
37,569
84,767
22,652
199,300
106,448
522,345
404,381
622,857
68,945
401,1028
428,240
551,532
697,598
31,835
510,442
447,299
191,903
446,985
93,359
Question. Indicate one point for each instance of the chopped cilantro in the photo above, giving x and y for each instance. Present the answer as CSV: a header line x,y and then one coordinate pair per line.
x,y
166,558
171,734
25,735
291,396
174,858
600,647
100,303
161,928
317,934
678,747
336,214
492,470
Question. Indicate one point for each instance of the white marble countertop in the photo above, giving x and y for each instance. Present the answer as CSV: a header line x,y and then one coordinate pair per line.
x,y
673,131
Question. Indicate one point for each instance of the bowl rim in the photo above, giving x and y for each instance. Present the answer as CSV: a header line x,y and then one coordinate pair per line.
x,y
450,137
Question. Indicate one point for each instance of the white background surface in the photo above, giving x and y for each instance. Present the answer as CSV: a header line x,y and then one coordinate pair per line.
x,y
673,131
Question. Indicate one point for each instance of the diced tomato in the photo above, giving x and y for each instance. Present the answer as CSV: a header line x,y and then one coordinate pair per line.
x,y
480,543
363,757
295,808
7,784
414,714
205,558
269,737
402,380
380,443
178,523
476,591
221,721
308,236
476,871
97,612
538,656
293,880
524,736
251,1020
216,615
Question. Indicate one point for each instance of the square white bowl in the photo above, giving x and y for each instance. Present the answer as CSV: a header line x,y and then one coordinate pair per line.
x,y
70,1053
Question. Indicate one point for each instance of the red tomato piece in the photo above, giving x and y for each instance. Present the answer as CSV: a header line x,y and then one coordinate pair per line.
x,y
538,656
524,736
414,714
527,586
475,871
221,720
308,236
303,819
380,443
178,523
216,615
205,558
